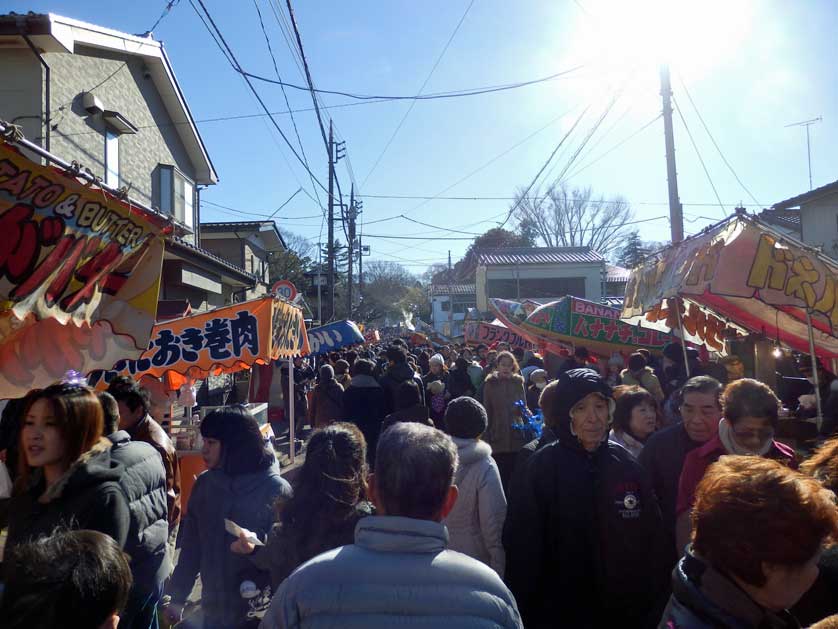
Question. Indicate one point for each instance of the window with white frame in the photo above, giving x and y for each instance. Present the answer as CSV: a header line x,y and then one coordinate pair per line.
x,y
112,158
176,194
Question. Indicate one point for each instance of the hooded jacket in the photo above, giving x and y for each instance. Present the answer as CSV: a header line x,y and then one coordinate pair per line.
x,y
475,524
582,536
87,496
398,573
499,397
703,598
247,500
144,484
394,377
365,405
151,432
648,380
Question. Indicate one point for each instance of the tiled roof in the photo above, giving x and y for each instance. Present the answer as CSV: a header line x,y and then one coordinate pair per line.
x,y
176,243
234,225
812,195
615,273
453,289
538,255
789,219
614,302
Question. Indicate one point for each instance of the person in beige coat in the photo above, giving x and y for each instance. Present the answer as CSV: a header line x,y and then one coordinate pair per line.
x,y
641,375
475,524
501,390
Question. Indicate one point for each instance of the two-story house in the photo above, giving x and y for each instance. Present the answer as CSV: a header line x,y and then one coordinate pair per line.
x,y
111,102
817,212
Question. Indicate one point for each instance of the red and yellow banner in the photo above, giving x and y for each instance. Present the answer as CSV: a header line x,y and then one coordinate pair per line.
x,y
79,276
220,341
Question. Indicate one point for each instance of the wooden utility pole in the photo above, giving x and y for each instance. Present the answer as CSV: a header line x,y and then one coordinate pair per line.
x,y
330,246
676,214
450,298
351,217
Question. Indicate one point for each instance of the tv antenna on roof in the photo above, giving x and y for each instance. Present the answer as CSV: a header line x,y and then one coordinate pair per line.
x,y
807,124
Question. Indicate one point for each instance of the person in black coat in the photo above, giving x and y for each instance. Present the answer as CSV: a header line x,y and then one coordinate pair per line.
x,y
365,404
398,371
582,535
144,483
68,477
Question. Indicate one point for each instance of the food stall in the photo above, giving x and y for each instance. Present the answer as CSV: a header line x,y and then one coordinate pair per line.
x,y
745,272
223,340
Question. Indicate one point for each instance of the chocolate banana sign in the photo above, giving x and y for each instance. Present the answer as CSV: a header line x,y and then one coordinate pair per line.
x,y
73,256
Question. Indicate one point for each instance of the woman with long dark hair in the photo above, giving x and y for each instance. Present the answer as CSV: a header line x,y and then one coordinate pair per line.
x,y
330,496
66,477
241,483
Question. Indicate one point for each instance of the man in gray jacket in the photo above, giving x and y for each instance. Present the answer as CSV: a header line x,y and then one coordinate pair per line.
x,y
144,484
399,568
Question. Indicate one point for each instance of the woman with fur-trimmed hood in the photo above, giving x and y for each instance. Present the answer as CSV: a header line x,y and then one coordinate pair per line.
x,y
501,390
67,477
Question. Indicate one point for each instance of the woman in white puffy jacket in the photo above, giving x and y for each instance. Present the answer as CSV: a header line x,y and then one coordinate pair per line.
x,y
475,524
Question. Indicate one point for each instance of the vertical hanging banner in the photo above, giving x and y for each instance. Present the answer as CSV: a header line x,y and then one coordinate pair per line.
x,y
223,340
79,275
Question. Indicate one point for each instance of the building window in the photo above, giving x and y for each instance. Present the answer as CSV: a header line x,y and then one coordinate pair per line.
x,y
176,195
445,306
111,158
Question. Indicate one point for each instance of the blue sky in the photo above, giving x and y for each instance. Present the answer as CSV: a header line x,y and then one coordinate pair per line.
x,y
750,67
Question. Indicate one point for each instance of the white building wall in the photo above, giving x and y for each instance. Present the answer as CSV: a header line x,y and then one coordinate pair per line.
x,y
819,224
592,273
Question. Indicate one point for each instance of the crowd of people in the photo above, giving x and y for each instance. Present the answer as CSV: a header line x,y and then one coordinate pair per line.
x,y
428,497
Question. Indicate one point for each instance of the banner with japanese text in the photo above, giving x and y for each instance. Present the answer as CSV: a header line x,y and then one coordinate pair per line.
x,y
79,275
746,272
477,332
334,336
220,341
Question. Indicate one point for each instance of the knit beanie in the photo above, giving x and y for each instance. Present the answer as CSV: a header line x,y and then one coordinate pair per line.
x,y
438,359
327,373
466,418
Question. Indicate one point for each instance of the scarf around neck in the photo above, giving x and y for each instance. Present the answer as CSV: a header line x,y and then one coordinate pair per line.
x,y
732,447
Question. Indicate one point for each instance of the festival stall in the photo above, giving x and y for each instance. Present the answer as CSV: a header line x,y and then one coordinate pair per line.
x,y
748,273
224,340
477,332
598,328
79,275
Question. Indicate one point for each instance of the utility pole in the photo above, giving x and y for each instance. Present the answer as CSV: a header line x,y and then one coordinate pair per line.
x,y
360,267
676,215
330,246
807,124
351,217
319,283
450,299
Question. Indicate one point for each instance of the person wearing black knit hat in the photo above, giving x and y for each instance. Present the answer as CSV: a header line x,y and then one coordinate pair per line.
x,y
475,524
582,498
242,483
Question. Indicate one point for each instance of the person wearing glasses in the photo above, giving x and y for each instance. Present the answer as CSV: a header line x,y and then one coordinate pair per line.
x,y
664,453
747,428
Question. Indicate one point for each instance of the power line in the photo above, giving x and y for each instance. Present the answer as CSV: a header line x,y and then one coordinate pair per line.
x,y
698,154
236,65
476,91
425,82
166,10
713,140
287,104
543,168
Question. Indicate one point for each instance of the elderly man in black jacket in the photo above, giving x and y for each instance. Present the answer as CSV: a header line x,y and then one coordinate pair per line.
x,y
144,484
582,536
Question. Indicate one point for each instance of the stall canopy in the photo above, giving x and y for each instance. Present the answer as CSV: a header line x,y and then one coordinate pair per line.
x,y
477,332
220,341
746,272
595,326
334,336
79,275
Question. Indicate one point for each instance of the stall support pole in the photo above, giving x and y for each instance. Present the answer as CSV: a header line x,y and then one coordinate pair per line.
x,y
811,331
291,417
683,340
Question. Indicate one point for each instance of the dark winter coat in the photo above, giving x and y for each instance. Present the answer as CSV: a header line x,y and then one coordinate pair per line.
x,y
663,458
820,601
436,406
326,403
417,413
460,383
144,483
87,496
284,552
152,433
548,435
246,499
499,397
703,598
365,405
582,538
395,375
